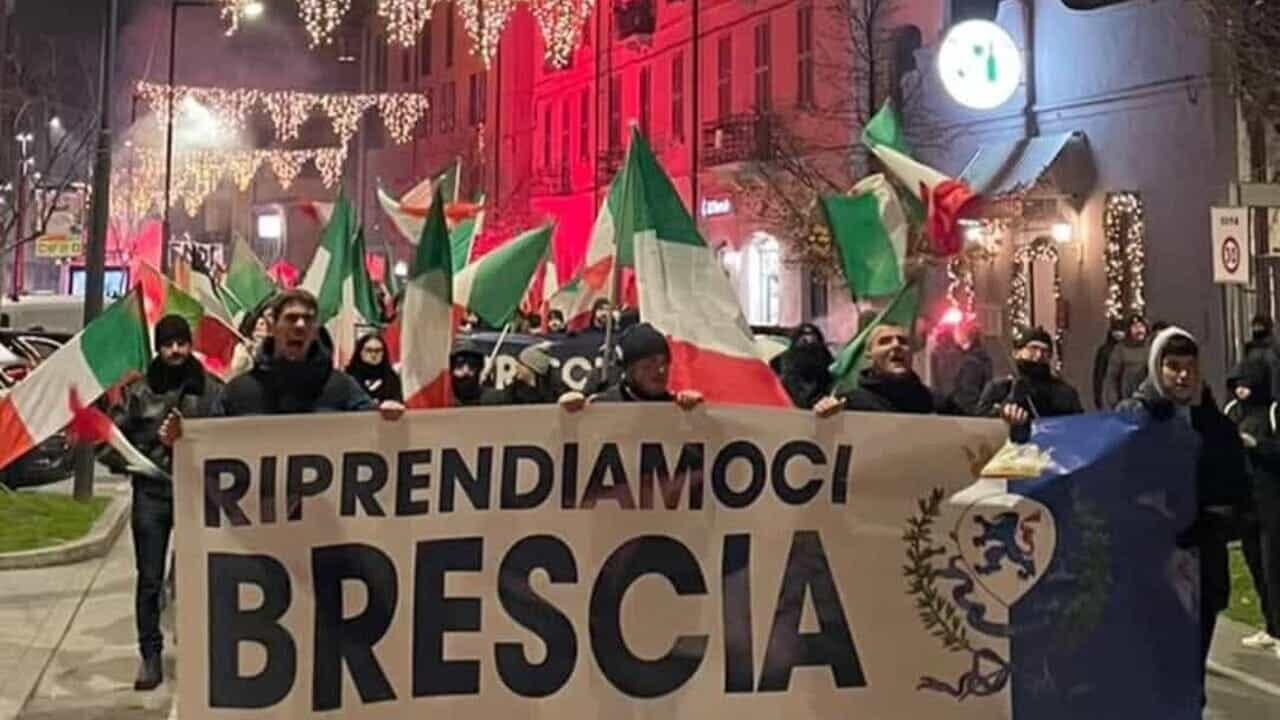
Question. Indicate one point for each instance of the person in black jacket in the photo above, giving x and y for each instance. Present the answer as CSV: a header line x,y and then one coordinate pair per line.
x,y
804,367
1174,392
1101,359
1032,391
294,373
1261,342
371,367
960,367
175,383
1256,414
889,384
646,362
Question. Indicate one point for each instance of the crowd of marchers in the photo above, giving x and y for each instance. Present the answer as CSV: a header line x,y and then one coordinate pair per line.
x,y
288,367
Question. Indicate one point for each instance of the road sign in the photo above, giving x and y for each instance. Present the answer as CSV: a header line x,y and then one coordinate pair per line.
x,y
1231,249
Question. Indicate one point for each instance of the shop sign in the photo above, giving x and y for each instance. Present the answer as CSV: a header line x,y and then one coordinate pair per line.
x,y
59,246
715,207
980,65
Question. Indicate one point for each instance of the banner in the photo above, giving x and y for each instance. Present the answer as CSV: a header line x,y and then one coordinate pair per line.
x,y
640,561
575,357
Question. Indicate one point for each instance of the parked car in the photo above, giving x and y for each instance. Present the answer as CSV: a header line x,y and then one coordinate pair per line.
x,y
51,460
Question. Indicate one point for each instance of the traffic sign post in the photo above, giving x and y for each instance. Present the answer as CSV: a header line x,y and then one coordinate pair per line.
x,y
1231,248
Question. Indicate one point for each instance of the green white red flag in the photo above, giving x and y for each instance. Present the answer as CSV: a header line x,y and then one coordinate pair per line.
x,y
111,348
493,286
684,292
246,284
428,318
213,340
870,232
339,278
409,213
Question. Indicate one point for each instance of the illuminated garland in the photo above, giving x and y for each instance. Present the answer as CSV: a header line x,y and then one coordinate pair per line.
x,y
322,18
289,110
1019,303
231,12
961,293
405,19
1125,229
561,23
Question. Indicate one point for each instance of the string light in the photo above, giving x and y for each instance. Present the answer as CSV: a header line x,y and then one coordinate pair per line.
x,y
231,12
405,19
484,21
1125,229
561,24
289,111
322,18
1019,303
401,113
961,292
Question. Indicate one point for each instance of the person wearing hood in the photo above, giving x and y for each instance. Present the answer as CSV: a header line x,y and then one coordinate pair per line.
x,y
466,370
1127,365
1261,342
804,367
646,363
371,367
889,384
1032,391
293,372
1174,392
1255,412
175,383
1101,359
960,368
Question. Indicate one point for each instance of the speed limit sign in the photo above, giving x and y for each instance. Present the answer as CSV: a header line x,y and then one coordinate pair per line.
x,y
1230,245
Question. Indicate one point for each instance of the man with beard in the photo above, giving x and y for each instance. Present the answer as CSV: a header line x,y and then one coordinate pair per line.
x,y
1032,391
804,367
293,372
175,383
646,363
889,384
466,368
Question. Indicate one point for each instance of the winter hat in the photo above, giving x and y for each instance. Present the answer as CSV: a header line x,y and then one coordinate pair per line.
x,y
1024,336
538,358
172,328
467,350
642,341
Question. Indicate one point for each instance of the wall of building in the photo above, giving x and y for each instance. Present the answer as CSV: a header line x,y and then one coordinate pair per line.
x,y
1138,79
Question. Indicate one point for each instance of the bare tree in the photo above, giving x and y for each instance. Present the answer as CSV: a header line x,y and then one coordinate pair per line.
x,y
1250,32
814,149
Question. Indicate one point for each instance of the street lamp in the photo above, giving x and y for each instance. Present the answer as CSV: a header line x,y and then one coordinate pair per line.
x,y
250,11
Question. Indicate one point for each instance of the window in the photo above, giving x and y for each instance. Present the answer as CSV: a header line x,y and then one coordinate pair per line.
x,y
546,136
566,152
724,77
763,71
428,115
615,113
584,124
764,281
961,10
449,99
644,93
677,97
406,66
425,46
804,56
476,100
448,35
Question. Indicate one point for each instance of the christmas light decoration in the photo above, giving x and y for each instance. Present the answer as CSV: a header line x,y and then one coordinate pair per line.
x,y
231,12
401,117
484,21
329,162
289,111
344,113
1125,229
561,23
1019,303
322,18
961,293
405,19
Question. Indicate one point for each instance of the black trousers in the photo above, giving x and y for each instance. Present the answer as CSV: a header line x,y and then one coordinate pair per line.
x,y
1260,541
152,523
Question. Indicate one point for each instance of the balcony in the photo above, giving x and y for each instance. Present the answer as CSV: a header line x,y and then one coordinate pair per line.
x,y
635,19
749,138
552,181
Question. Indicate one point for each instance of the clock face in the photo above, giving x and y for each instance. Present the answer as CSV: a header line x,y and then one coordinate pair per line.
x,y
980,65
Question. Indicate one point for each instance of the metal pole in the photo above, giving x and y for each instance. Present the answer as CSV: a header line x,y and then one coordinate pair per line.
x,y
20,207
695,146
166,224
96,251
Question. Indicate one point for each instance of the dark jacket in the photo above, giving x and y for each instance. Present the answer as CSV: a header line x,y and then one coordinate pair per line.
x,y
804,370
960,375
1222,484
622,393
146,403
1041,397
381,383
895,395
1126,369
1101,358
1258,416
275,387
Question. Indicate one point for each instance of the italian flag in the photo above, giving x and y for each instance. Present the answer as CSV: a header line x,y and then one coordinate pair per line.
x,y
902,310
943,200
409,213
340,280
428,318
213,340
493,286
197,283
462,237
111,348
684,293
869,230
246,284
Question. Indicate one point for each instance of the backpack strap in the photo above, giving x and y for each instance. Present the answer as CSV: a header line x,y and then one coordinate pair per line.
x,y
1231,406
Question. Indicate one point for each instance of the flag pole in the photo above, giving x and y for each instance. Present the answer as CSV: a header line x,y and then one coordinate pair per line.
x,y
493,356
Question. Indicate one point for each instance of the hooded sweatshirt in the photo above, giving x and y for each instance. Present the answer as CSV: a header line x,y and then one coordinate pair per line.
x,y
1257,415
803,367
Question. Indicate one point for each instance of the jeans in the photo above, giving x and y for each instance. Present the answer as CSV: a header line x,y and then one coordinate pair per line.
x,y
152,523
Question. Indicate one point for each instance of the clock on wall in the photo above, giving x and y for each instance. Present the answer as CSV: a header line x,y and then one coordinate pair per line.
x,y
980,64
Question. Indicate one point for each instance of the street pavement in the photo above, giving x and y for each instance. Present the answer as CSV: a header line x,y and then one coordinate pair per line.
x,y
90,676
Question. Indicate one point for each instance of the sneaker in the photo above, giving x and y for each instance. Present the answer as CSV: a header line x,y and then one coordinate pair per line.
x,y
150,673
1260,641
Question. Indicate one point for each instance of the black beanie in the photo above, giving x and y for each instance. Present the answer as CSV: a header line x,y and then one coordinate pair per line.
x,y
1024,336
172,328
642,341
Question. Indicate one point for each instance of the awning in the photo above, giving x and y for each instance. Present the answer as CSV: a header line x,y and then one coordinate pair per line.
x,y
1012,168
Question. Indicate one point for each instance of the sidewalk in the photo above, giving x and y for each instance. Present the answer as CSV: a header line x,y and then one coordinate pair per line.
x,y
1260,669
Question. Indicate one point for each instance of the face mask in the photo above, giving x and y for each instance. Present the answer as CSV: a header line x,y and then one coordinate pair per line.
x,y
1260,333
1033,370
